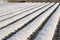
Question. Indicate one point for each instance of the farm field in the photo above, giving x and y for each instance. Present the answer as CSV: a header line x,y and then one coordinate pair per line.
x,y
29,21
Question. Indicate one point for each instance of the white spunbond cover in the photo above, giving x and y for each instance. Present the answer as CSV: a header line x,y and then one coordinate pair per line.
x,y
3,1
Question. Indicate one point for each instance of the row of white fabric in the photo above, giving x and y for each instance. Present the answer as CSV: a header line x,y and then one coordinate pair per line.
x,y
18,21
